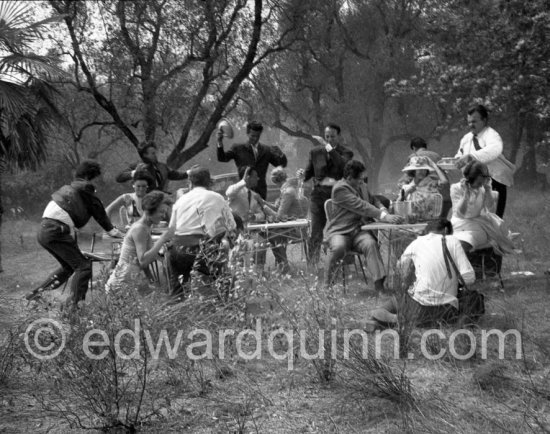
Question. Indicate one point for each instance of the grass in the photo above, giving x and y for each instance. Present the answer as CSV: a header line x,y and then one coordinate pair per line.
x,y
236,395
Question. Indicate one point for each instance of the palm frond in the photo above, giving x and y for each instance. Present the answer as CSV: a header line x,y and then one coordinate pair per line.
x,y
27,101
30,64
25,146
14,14
14,99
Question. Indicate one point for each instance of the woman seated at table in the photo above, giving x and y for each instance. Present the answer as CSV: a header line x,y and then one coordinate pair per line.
x,y
141,182
288,206
138,249
425,180
475,226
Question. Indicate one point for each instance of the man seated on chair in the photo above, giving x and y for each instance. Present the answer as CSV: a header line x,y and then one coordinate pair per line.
x,y
429,278
248,205
198,215
352,206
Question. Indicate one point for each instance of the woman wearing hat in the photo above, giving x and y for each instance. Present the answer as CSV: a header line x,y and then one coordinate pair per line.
x,y
426,179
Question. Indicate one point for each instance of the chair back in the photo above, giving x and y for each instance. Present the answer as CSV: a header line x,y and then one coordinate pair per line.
x,y
123,215
437,205
495,200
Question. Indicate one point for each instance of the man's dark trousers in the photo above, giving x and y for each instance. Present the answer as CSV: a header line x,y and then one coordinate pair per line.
x,y
56,238
501,203
319,196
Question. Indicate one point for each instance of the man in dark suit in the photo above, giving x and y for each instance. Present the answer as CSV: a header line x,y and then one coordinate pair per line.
x,y
159,172
253,154
326,166
354,206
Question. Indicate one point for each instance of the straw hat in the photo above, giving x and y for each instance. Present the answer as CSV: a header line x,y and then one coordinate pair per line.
x,y
417,163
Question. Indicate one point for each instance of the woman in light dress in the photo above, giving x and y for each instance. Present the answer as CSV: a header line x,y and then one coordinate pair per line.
x,y
141,182
138,249
473,222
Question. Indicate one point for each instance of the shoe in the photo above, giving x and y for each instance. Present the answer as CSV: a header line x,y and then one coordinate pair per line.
x,y
35,295
384,317
370,326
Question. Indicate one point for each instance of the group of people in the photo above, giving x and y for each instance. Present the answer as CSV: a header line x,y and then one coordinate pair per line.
x,y
339,182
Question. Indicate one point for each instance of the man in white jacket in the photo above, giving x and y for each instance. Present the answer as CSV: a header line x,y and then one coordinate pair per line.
x,y
484,144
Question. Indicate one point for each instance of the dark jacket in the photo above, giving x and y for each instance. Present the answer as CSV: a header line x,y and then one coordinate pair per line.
x,y
323,164
160,173
351,209
244,156
81,203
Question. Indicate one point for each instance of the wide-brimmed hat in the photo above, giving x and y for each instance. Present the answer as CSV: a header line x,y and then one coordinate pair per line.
x,y
417,163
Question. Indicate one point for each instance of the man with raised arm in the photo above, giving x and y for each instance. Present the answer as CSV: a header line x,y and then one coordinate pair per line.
x,y
253,154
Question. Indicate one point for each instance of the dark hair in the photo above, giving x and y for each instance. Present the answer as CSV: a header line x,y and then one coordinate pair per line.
x,y
474,169
334,127
440,225
353,168
200,177
143,150
141,175
418,142
152,201
242,169
254,126
88,169
482,110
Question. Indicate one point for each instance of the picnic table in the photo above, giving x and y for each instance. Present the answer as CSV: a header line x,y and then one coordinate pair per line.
x,y
292,231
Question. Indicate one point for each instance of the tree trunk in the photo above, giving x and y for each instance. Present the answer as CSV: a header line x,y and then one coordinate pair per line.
x,y
527,173
517,133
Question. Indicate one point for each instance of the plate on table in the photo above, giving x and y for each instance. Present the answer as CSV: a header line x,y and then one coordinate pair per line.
x,y
158,231
448,163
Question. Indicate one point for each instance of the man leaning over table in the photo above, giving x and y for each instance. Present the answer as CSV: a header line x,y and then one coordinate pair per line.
x,y
198,215
484,144
354,206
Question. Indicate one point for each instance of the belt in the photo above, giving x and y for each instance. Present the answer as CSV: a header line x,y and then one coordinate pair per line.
x,y
188,240
65,225
326,182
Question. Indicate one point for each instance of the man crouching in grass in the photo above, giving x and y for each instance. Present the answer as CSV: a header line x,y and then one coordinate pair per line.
x,y
432,296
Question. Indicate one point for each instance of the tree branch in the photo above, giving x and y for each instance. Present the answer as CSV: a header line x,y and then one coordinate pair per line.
x,y
64,7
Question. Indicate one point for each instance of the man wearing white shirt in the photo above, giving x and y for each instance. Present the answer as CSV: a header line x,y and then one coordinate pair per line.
x,y
484,144
434,288
200,214
244,201
249,206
